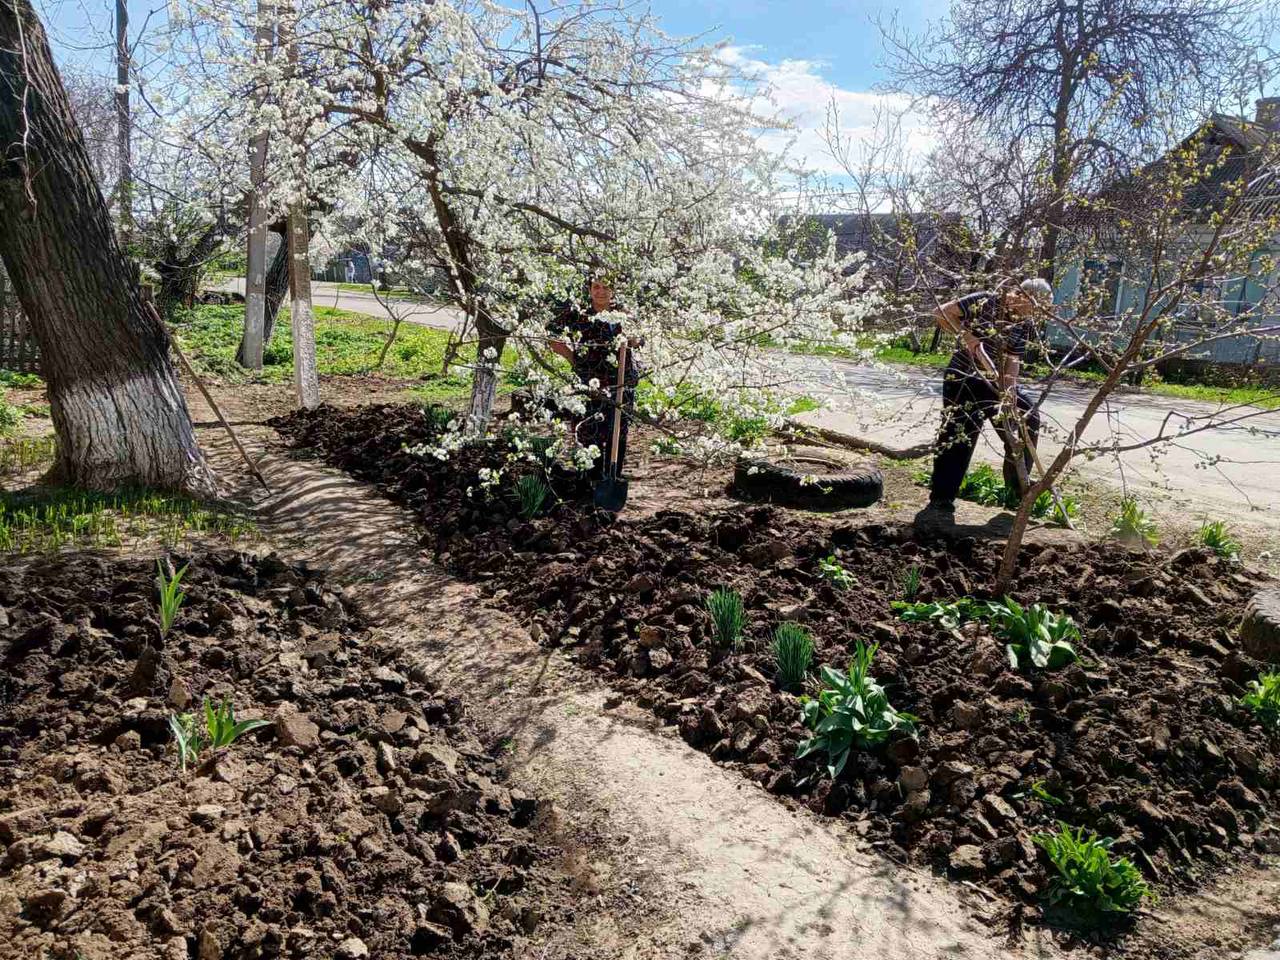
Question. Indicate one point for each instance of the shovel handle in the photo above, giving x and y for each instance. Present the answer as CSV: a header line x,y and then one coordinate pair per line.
x,y
617,407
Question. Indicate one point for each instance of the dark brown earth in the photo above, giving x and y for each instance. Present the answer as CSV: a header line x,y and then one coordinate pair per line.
x,y
1143,741
367,820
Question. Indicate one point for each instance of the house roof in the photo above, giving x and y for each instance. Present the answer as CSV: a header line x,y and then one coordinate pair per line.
x,y
864,232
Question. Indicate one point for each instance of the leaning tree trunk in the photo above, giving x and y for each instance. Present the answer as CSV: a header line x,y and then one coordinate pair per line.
x,y
277,287
117,406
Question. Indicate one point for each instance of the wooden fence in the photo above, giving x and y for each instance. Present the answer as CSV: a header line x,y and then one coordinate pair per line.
x,y
17,345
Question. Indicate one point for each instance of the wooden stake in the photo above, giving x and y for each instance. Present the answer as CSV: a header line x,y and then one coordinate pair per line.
x,y
213,404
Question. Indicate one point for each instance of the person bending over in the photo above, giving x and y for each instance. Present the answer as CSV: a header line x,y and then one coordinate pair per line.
x,y
980,384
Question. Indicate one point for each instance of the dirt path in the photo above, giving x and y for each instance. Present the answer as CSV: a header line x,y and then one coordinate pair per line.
x,y
676,857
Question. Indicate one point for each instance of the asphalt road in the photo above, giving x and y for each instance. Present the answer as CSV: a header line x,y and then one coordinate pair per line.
x,y
1231,471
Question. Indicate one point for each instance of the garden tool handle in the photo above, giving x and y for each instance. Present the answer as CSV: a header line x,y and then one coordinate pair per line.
x,y
617,411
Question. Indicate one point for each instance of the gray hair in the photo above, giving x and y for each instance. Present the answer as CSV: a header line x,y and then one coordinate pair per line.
x,y
1038,289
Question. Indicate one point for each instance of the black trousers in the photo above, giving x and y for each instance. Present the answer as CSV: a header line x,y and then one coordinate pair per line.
x,y
597,427
968,401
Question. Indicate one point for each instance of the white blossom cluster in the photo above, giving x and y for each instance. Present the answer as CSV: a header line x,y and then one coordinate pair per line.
x,y
496,156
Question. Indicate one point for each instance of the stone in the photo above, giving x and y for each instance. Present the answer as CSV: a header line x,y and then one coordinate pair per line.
x,y
208,946
460,910
44,906
128,741
660,661
966,716
913,779
386,758
967,859
448,850
179,696
1260,627
207,814
998,810
650,637
949,771
435,753
915,806
296,730
351,949
64,846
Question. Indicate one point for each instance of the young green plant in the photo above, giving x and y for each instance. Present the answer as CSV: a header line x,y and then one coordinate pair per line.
x,y
833,571
792,653
911,583
219,729
1262,698
1215,535
1133,527
171,594
728,617
1087,881
851,710
1034,635
532,492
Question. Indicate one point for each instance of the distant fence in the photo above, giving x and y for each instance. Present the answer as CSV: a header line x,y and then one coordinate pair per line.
x,y
17,344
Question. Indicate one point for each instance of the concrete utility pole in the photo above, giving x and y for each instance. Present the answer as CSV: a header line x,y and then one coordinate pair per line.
x,y
124,148
255,283
301,317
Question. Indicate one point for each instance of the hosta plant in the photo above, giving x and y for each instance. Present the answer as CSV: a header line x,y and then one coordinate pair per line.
x,y
1034,635
1215,535
948,615
833,571
1133,527
728,617
1263,698
1087,881
171,594
851,710
213,727
792,653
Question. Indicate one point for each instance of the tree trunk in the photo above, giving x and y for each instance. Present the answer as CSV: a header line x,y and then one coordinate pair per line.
x,y
302,319
490,338
124,147
253,342
277,289
180,275
116,403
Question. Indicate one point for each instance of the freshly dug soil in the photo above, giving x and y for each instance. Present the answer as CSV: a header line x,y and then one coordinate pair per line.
x,y
363,822
1143,741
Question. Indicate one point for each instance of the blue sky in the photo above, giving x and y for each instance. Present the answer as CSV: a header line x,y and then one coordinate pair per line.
x,y
841,37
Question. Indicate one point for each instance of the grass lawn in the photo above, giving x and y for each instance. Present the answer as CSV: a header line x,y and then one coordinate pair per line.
x,y
395,293
1261,396
347,344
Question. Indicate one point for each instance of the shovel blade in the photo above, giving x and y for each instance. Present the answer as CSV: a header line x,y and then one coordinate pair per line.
x,y
611,494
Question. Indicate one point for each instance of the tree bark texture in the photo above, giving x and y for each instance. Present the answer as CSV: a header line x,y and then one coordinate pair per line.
x,y
251,347
277,290
301,317
116,403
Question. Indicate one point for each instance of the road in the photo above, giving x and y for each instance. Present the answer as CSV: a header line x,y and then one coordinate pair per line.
x,y
1228,472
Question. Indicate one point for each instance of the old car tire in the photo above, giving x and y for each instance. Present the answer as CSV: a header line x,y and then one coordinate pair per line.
x,y
816,478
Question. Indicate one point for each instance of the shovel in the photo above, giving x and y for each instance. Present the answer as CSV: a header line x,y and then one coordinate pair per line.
x,y
611,491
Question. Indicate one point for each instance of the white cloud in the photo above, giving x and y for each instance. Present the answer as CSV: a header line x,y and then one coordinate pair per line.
x,y
800,94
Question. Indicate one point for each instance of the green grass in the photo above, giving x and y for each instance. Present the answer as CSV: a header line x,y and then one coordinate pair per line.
x,y
20,454
347,344
11,378
690,403
395,293
47,520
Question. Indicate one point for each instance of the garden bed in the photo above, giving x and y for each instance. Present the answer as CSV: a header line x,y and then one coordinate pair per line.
x,y
364,820
1144,740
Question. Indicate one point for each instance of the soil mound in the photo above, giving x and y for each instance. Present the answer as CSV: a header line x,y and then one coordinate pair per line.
x,y
364,821
1143,740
